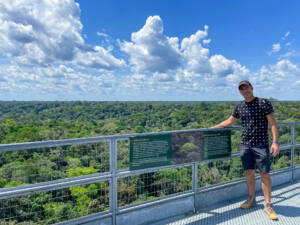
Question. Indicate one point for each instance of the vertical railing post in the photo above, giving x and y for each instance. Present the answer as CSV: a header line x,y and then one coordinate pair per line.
x,y
293,151
113,187
195,183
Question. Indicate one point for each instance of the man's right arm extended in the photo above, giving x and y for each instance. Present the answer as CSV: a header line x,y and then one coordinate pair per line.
x,y
231,120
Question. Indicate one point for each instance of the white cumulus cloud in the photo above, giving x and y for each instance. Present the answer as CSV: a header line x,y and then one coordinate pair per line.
x,y
285,68
274,77
151,50
195,68
206,41
196,56
276,47
41,33
98,58
47,36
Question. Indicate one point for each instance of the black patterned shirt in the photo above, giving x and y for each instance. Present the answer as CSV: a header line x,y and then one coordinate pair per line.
x,y
254,121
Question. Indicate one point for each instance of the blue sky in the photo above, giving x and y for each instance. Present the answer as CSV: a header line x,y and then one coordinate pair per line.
x,y
148,50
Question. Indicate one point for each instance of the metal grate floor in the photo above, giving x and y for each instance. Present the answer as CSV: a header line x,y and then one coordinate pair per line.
x,y
285,199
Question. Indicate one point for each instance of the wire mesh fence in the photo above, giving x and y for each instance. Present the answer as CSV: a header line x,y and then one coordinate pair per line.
x,y
219,171
281,160
55,206
123,154
47,164
284,133
236,138
153,185
297,133
297,156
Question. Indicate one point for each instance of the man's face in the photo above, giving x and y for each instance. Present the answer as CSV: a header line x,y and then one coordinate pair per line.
x,y
246,91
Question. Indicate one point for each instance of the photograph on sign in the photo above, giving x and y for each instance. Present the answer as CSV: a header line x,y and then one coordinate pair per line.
x,y
187,147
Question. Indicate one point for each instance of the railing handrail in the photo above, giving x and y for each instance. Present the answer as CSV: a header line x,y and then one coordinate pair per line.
x,y
90,140
113,174
97,139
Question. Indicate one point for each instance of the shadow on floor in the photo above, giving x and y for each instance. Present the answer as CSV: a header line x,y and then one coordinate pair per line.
x,y
213,217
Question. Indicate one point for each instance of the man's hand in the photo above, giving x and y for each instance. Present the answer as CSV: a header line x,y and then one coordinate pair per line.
x,y
274,149
226,123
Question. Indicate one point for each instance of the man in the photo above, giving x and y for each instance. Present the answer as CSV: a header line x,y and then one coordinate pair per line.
x,y
255,114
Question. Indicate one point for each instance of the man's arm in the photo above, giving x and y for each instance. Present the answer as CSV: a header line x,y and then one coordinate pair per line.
x,y
274,130
231,120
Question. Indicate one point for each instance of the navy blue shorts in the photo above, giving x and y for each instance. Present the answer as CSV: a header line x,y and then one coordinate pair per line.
x,y
255,156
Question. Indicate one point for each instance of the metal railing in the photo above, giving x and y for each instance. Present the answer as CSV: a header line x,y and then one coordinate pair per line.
x,y
109,181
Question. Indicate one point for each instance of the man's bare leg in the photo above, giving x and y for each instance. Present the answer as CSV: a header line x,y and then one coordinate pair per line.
x,y
266,185
250,177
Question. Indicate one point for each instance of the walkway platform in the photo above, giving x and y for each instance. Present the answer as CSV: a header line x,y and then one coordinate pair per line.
x,y
286,202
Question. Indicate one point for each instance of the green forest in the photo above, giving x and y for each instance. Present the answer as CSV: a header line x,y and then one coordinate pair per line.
x,y
39,121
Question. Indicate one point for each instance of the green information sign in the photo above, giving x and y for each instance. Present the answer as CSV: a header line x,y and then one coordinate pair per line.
x,y
177,148
216,144
150,151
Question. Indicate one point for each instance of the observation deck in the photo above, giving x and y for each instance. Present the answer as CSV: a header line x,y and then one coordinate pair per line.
x,y
88,181
286,199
